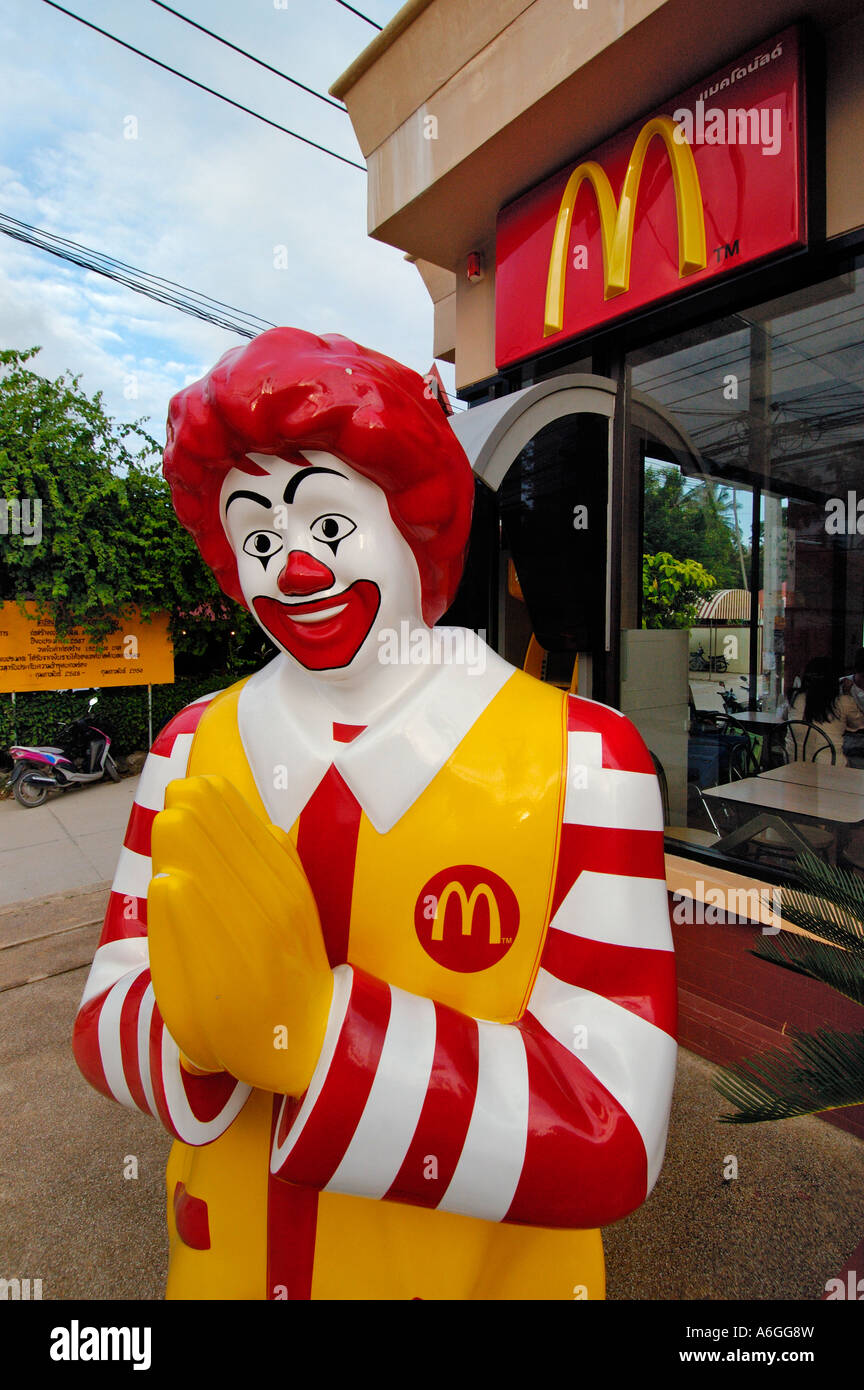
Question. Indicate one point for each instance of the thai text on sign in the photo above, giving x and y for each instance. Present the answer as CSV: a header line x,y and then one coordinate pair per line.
x,y
32,656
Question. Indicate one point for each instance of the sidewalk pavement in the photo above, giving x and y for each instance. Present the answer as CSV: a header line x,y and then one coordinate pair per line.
x,y
72,1214
71,842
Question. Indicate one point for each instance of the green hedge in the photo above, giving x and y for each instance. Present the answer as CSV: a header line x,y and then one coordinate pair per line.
x,y
121,711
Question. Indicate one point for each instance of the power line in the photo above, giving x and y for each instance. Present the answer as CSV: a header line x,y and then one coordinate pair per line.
x,y
156,287
359,15
251,56
204,88
55,239
176,296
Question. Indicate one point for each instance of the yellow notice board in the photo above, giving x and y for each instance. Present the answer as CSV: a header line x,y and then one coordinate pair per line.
x,y
32,657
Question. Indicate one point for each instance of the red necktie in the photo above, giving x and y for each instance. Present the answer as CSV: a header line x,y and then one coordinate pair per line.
x,y
327,845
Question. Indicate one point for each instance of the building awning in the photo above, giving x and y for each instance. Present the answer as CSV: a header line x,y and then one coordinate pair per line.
x,y
726,606
733,606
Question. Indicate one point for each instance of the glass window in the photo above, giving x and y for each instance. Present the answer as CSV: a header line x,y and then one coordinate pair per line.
x,y
752,544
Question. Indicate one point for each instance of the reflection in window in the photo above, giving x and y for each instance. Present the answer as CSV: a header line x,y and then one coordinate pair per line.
x,y
753,546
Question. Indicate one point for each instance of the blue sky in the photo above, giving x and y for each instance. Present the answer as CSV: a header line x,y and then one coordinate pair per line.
x,y
204,195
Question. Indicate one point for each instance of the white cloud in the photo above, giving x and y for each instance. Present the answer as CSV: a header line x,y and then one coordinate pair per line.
x,y
201,196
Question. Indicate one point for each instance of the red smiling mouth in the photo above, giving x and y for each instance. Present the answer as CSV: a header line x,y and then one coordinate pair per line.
x,y
323,633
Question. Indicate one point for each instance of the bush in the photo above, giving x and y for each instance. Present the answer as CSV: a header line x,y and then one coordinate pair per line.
x,y
121,711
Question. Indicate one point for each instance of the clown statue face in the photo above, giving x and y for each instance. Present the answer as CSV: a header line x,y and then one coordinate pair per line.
x,y
369,910
321,564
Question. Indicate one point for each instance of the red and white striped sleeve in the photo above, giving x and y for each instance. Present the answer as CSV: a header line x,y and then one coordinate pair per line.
x,y
560,1118
120,1042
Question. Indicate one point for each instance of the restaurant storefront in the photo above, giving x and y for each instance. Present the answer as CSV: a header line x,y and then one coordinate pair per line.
x,y
648,269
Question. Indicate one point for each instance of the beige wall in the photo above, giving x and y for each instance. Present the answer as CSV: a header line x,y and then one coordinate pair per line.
x,y
475,322
441,286
391,79
444,329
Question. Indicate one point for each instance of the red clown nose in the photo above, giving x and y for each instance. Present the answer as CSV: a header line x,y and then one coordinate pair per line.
x,y
303,574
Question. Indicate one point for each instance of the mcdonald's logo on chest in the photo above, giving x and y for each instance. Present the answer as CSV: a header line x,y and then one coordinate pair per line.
x,y
712,181
466,918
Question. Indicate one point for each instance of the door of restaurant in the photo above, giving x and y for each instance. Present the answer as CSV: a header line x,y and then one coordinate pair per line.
x,y
554,567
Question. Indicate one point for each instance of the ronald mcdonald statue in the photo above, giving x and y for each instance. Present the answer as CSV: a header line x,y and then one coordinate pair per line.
x,y
388,947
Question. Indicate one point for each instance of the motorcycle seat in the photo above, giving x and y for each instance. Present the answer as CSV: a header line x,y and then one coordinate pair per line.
x,y
54,755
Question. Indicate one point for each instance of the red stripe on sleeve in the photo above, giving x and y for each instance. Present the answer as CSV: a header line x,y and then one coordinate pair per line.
x,y
327,845
446,1114
157,1027
129,1039
633,853
623,747
186,722
126,916
585,1161
330,1128
138,831
85,1045
639,979
207,1095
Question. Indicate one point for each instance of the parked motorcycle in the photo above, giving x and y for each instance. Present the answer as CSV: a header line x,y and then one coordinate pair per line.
x,y
732,704
57,767
699,661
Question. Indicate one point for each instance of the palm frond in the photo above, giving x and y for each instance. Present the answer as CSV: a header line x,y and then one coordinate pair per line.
x,y
822,1072
831,904
838,969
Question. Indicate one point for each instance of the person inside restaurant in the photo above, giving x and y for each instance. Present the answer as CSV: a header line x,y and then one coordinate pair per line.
x,y
837,716
853,685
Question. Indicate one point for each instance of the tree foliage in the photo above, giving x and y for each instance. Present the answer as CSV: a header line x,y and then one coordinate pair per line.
x,y
694,522
671,590
110,541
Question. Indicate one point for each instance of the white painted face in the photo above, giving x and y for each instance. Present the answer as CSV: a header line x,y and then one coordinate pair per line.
x,y
322,565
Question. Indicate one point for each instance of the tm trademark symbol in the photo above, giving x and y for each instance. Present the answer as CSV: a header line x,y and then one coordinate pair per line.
x,y
726,252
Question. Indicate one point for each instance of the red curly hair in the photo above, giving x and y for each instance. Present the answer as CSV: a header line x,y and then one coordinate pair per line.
x,y
289,390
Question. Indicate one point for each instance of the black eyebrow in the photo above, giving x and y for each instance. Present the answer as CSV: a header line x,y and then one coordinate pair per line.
x,y
252,496
295,482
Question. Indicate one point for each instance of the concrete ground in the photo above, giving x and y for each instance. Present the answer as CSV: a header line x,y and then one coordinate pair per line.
x,y
71,842
72,1215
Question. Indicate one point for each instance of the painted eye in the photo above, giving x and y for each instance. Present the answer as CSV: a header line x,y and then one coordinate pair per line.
x,y
331,529
263,545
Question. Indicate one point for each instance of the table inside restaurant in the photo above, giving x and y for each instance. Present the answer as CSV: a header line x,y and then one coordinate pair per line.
x,y
799,791
822,775
757,717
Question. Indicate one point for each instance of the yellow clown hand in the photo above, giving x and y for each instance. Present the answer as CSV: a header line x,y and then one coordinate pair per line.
x,y
237,957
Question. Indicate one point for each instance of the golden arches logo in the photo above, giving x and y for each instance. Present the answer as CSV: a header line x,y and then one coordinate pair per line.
x,y
617,219
467,907
451,924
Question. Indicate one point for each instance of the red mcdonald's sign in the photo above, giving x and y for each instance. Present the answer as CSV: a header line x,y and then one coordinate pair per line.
x,y
712,181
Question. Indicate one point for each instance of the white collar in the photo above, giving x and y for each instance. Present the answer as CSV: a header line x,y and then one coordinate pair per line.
x,y
289,742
